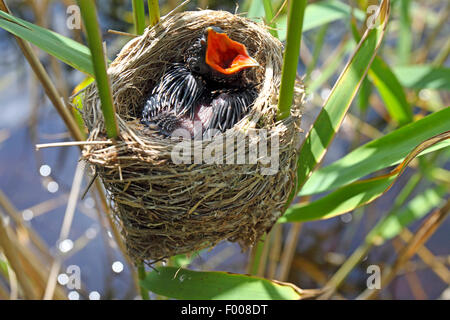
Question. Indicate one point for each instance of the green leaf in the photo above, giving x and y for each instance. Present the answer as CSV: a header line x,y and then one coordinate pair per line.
x,y
377,154
77,102
323,12
65,49
364,95
417,208
318,45
320,13
423,77
329,70
391,91
256,10
356,194
194,285
337,104
269,17
389,88
342,200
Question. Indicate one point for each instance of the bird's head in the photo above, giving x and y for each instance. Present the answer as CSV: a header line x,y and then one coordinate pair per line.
x,y
220,55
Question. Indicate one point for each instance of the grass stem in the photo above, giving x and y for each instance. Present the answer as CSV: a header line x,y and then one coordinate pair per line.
x,y
256,256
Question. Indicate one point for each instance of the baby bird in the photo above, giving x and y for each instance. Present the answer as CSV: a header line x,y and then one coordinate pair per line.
x,y
207,88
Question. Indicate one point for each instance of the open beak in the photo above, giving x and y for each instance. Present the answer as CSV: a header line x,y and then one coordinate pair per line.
x,y
225,55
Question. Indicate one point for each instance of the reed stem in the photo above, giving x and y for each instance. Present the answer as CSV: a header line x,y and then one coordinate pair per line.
x,y
142,274
290,59
153,11
89,14
139,16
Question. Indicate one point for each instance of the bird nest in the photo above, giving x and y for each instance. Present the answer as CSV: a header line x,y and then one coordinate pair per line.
x,y
171,195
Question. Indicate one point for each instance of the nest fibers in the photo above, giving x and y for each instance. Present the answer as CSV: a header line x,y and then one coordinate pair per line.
x,y
173,195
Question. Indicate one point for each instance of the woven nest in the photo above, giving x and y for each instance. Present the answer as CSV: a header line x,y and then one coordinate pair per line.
x,y
165,207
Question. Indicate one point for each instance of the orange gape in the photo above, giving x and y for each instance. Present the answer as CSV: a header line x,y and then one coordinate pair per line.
x,y
225,55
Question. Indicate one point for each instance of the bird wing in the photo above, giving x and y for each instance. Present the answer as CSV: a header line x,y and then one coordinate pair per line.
x,y
178,91
230,107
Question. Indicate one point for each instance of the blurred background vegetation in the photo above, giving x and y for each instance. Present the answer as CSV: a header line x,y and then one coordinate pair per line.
x,y
35,185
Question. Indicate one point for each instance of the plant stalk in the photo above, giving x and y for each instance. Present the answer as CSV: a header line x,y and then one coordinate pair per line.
x,y
153,11
89,14
12,256
142,274
139,16
269,18
290,59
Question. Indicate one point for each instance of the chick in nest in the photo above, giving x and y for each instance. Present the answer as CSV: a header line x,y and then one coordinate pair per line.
x,y
209,88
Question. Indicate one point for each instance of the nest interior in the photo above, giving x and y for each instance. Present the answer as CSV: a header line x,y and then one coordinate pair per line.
x,y
165,207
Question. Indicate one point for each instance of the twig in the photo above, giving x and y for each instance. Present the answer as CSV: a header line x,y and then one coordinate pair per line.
x,y
121,33
89,185
177,7
70,144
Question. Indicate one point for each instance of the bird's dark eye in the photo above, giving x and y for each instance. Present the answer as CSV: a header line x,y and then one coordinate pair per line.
x,y
197,68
